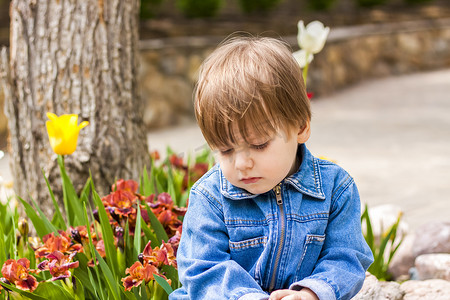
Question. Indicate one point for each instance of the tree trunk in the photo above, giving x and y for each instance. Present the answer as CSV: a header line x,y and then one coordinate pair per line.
x,y
80,57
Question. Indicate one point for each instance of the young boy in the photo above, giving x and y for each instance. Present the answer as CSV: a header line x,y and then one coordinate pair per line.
x,y
269,218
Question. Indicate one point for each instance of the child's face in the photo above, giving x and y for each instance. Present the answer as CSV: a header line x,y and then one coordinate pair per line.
x,y
258,166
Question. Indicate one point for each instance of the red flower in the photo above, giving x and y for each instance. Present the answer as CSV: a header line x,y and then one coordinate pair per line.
x,y
155,155
125,185
150,262
167,213
159,256
176,161
175,240
120,205
61,243
17,273
59,264
138,273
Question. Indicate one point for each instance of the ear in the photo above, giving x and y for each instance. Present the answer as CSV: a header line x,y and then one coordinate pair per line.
x,y
304,133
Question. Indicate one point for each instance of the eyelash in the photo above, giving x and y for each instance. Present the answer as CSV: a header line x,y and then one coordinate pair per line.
x,y
261,146
256,147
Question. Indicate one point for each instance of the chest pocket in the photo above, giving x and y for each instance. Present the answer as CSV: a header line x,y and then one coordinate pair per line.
x,y
247,252
311,252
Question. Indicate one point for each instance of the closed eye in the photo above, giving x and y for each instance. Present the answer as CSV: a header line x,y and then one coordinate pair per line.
x,y
260,146
226,151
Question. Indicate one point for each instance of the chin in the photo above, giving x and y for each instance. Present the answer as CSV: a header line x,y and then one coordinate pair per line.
x,y
257,190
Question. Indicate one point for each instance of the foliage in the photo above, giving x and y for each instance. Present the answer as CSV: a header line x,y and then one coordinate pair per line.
x,y
9,218
417,1
250,6
149,7
123,247
321,4
199,8
370,3
384,248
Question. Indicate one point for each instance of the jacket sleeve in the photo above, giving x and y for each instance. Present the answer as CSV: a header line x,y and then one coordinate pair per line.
x,y
204,265
340,271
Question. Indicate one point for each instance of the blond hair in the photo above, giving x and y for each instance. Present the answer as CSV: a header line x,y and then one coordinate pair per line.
x,y
249,83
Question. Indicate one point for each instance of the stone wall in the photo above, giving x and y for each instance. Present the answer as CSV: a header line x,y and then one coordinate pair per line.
x,y
351,54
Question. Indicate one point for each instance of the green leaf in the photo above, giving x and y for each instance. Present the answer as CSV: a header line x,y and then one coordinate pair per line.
x,y
79,289
172,274
369,231
52,290
44,218
58,219
183,199
163,283
137,234
2,245
147,185
106,271
161,234
74,208
41,228
149,235
84,278
32,296
107,233
171,188
96,284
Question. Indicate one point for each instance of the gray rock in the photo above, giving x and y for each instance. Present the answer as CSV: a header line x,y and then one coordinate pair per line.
x,y
433,289
379,290
433,266
433,237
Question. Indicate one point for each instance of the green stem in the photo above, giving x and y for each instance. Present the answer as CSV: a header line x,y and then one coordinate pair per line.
x,y
158,292
305,71
65,200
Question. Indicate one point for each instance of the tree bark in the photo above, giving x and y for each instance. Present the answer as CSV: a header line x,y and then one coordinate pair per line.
x,y
69,56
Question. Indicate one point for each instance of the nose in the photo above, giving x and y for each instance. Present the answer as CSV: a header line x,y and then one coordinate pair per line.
x,y
243,160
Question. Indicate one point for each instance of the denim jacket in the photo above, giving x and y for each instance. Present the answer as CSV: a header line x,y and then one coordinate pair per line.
x,y
306,232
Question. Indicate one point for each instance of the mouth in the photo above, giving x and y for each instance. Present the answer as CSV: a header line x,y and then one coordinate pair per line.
x,y
249,180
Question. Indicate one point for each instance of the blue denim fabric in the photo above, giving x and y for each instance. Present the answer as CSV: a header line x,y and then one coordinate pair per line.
x,y
237,245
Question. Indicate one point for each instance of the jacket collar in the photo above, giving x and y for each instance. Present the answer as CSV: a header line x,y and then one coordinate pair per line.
x,y
307,180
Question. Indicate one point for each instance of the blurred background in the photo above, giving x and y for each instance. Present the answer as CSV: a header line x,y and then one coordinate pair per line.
x,y
381,86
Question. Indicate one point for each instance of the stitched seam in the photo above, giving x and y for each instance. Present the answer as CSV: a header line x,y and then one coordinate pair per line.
x,y
315,175
319,215
339,187
347,184
245,222
210,198
249,243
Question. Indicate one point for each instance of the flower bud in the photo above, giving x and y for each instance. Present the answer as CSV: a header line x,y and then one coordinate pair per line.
x,y
76,236
141,258
119,234
23,227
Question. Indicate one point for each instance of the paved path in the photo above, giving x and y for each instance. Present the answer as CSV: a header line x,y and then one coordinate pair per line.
x,y
392,135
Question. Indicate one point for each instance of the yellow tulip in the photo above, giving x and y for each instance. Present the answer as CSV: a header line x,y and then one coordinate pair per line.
x,y
63,132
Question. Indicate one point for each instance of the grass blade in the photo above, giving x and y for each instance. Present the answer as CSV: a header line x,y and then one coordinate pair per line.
x,y
137,234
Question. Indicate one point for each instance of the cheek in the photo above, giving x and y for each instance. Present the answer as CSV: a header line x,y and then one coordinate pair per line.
x,y
226,164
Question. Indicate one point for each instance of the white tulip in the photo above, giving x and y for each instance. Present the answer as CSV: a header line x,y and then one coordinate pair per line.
x,y
313,37
302,59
